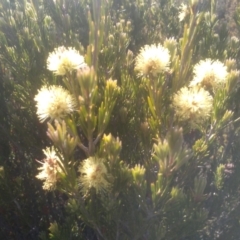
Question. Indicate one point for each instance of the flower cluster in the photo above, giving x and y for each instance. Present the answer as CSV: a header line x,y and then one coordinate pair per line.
x,y
193,105
63,60
209,73
50,169
54,102
93,174
183,12
152,60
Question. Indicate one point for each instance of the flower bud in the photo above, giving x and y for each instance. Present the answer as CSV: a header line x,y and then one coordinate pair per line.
x,y
130,58
122,40
219,176
112,84
171,45
234,39
87,80
81,100
110,147
111,38
199,187
138,173
232,79
234,43
231,64
122,21
129,26
84,71
119,26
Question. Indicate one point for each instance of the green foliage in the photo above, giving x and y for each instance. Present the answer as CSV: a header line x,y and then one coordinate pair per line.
x,y
219,176
158,176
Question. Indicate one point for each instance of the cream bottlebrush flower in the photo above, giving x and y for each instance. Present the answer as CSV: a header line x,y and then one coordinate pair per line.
x,y
183,12
63,60
152,59
50,169
54,102
234,39
93,174
193,105
209,73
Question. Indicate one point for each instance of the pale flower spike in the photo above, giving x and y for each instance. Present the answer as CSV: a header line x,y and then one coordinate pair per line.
x,y
54,102
183,12
193,105
50,169
209,73
152,60
93,173
63,60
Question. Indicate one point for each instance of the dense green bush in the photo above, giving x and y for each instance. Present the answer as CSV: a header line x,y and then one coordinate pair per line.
x,y
145,145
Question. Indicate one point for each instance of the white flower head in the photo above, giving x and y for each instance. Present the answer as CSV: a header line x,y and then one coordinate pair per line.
x,y
54,102
152,59
234,39
183,12
93,174
193,105
209,73
50,169
63,60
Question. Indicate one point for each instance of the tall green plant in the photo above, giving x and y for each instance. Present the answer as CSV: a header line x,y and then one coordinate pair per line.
x,y
141,111
162,196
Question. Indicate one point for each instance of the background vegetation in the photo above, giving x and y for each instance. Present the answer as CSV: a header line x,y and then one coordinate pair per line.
x,y
29,30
